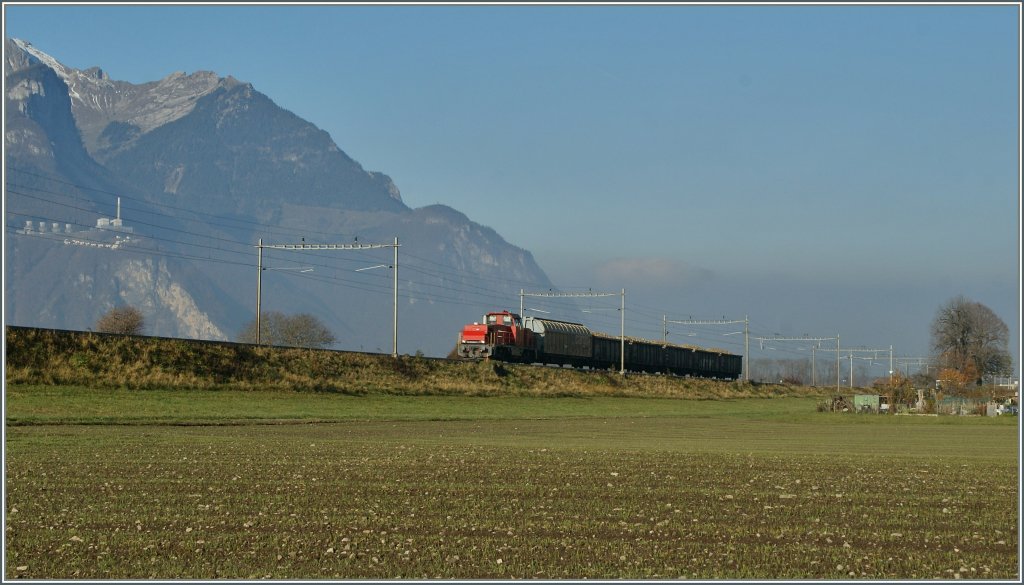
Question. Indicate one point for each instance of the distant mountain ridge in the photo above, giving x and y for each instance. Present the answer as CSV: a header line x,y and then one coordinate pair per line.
x,y
96,100
214,145
200,135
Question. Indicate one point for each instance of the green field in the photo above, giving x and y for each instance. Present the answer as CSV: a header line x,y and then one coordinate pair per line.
x,y
206,484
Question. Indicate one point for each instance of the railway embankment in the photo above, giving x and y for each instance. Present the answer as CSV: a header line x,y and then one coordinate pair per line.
x,y
75,358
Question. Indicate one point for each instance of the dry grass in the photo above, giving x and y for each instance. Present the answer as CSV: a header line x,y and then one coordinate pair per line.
x,y
47,357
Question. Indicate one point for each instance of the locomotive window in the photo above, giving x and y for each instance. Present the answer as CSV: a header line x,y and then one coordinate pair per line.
x,y
492,320
506,320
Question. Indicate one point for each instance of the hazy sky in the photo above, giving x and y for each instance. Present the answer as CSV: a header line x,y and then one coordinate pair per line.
x,y
823,169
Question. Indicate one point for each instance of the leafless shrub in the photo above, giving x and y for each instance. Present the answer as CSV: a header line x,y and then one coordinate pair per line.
x,y
301,330
126,320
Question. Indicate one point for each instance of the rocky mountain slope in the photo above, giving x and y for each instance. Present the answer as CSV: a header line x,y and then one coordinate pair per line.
x,y
207,166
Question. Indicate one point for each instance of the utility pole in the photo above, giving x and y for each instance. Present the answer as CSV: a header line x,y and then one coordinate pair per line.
x,y
851,351
394,314
890,364
303,246
746,335
622,313
746,348
813,383
622,335
259,286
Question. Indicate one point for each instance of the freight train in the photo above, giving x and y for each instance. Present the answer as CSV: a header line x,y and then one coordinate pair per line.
x,y
505,336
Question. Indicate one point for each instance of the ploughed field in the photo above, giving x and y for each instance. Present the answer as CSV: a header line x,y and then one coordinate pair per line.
x,y
458,487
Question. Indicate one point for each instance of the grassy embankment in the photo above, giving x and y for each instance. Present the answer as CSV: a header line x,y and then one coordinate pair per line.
x,y
102,375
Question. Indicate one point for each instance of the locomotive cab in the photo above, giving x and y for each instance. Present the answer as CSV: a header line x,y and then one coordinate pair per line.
x,y
500,335
503,318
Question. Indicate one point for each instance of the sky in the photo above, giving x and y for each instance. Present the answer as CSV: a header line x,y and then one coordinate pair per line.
x,y
824,170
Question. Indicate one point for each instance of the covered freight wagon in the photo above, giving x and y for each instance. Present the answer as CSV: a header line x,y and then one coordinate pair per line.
x,y
561,342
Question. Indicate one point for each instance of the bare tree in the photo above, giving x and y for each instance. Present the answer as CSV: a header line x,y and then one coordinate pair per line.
x,y
970,339
301,330
790,371
126,320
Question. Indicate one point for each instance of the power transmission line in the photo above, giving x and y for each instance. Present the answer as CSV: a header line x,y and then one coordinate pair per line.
x,y
304,246
265,228
851,351
819,340
746,335
222,250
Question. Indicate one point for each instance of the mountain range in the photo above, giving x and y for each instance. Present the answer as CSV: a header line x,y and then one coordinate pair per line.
x,y
156,194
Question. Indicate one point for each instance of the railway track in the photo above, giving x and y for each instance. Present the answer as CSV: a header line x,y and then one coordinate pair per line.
x,y
237,344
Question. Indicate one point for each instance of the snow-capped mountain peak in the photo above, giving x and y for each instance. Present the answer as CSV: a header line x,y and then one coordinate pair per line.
x,y
43,58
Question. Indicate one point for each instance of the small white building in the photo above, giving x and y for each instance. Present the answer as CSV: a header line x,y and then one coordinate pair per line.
x,y
116,224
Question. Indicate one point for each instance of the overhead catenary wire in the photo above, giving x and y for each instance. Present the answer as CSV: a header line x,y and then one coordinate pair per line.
x,y
722,321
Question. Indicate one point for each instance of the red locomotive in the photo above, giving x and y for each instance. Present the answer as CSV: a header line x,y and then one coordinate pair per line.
x,y
501,336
